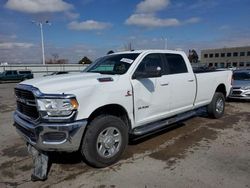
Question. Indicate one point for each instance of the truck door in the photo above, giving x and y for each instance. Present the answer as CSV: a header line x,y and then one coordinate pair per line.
x,y
181,82
151,95
15,75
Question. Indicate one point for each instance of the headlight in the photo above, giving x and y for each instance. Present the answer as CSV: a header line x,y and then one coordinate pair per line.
x,y
57,107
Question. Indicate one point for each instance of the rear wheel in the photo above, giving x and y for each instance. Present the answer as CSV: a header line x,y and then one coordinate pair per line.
x,y
105,140
217,106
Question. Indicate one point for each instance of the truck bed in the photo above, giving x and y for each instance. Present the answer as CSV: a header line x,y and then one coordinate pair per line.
x,y
201,70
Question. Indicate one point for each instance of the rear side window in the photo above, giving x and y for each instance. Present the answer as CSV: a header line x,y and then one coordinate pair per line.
x,y
24,72
175,64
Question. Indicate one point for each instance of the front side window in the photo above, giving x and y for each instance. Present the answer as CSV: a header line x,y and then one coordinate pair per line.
x,y
150,62
175,64
9,73
113,64
24,72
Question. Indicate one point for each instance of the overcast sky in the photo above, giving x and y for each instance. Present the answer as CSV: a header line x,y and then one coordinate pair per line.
x,y
93,27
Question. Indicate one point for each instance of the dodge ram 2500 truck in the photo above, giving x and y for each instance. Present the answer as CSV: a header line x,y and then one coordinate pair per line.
x,y
122,94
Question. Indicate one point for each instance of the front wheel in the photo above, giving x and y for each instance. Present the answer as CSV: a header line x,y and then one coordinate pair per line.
x,y
217,106
105,140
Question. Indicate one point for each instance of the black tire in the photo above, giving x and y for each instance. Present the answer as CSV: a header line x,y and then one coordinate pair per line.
x,y
217,106
91,144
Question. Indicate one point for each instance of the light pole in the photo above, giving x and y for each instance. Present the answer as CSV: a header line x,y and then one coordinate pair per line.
x,y
165,42
40,24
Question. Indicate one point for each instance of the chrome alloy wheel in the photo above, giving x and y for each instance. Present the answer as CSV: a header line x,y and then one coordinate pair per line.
x,y
109,142
219,106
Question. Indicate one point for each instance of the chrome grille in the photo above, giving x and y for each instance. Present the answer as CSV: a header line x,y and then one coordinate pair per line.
x,y
236,87
26,103
236,92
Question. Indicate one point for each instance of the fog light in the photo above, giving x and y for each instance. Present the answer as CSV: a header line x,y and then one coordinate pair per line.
x,y
54,137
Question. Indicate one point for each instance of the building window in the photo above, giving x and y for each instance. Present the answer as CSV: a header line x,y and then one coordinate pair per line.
x,y
216,65
242,53
205,55
235,54
222,54
228,65
217,55
241,64
234,64
210,64
211,55
222,65
248,53
229,54
248,64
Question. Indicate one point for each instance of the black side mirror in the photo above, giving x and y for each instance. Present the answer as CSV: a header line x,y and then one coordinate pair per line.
x,y
151,72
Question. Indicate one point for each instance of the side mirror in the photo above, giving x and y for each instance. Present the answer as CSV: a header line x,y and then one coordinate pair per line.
x,y
151,72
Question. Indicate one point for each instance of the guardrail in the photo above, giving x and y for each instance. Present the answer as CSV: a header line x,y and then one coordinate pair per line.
x,y
40,70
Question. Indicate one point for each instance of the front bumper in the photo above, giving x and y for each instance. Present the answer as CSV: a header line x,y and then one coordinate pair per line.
x,y
51,136
239,93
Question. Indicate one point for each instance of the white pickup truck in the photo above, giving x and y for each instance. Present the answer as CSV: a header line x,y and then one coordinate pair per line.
x,y
122,94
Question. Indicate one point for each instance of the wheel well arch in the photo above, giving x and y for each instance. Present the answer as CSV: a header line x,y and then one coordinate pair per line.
x,y
112,109
222,89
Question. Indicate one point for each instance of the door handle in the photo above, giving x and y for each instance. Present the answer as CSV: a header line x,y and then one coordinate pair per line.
x,y
191,80
164,84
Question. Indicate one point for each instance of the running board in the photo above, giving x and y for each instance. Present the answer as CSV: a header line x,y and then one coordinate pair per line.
x,y
150,127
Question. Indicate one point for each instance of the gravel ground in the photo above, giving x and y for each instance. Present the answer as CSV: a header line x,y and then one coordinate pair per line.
x,y
199,152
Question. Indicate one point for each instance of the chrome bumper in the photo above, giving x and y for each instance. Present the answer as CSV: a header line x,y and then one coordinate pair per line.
x,y
51,136
239,93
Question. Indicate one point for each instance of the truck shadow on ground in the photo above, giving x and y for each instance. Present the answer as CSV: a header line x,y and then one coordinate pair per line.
x,y
137,145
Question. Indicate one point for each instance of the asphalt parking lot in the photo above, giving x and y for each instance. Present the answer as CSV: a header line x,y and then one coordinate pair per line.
x,y
199,152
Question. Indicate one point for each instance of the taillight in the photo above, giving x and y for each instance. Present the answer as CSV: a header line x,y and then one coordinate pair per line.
x,y
232,79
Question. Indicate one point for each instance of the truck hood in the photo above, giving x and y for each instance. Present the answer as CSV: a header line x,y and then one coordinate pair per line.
x,y
65,83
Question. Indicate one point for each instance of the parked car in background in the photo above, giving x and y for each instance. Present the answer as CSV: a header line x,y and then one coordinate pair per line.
x,y
27,74
241,85
57,73
15,75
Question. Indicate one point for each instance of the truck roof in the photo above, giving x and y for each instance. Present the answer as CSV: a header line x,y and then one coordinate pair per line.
x,y
150,50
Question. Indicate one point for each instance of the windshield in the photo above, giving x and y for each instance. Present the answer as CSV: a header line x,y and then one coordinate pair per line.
x,y
113,64
241,76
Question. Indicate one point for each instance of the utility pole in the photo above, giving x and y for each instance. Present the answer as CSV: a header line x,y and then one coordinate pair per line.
x,y
40,24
